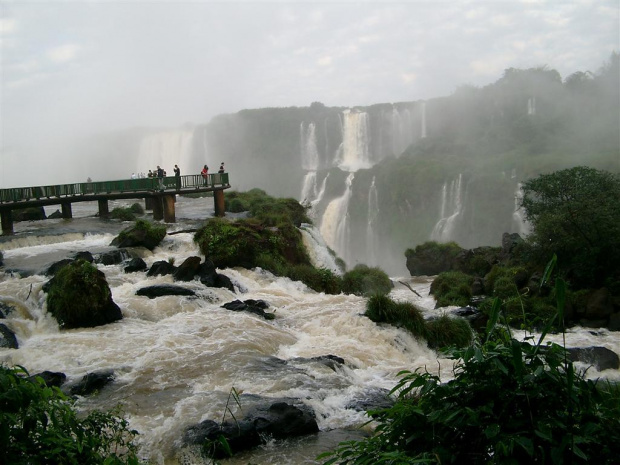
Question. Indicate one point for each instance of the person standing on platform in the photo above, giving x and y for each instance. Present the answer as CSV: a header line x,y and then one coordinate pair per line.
x,y
205,174
160,176
221,170
177,176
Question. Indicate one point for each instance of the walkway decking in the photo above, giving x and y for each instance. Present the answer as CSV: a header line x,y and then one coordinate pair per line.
x,y
160,193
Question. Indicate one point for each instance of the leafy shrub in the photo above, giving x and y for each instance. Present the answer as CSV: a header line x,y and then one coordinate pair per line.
x,y
452,288
123,214
137,209
39,425
363,280
237,206
142,233
447,331
381,309
432,258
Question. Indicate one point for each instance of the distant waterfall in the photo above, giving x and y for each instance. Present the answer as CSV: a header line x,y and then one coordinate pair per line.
x,y
531,106
423,120
308,190
307,143
372,241
354,153
402,134
519,223
320,255
451,208
335,222
167,149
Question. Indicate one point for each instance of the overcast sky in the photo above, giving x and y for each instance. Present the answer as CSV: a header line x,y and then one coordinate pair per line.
x,y
71,68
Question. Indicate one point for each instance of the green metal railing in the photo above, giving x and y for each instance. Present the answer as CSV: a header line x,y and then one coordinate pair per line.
x,y
193,181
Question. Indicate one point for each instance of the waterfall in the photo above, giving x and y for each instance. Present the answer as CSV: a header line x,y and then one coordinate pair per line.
x,y
308,190
335,222
309,151
401,130
443,230
520,224
320,256
354,153
167,149
423,120
531,106
372,242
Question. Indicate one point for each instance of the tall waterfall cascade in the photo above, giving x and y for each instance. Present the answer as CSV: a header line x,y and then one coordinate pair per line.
x,y
166,149
335,222
519,223
320,255
531,106
451,209
423,120
372,240
354,153
307,143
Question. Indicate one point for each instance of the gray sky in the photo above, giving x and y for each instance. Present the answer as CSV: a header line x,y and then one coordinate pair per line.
x,y
73,68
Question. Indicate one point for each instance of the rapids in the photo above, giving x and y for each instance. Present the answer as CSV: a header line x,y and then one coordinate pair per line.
x,y
176,359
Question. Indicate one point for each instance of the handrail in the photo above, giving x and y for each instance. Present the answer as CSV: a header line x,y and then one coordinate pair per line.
x,y
192,181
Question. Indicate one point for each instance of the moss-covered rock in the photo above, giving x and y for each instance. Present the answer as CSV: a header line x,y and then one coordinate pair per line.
x,y
382,309
79,297
447,331
141,234
432,258
29,214
452,288
366,281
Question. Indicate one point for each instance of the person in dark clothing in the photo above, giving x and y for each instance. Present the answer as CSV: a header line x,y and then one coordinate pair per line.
x,y
160,176
221,170
177,176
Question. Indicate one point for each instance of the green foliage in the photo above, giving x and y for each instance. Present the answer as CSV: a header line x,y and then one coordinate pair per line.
x,y
431,258
78,295
137,208
452,288
123,214
510,402
575,213
268,210
143,232
39,425
381,309
447,331
363,280
318,279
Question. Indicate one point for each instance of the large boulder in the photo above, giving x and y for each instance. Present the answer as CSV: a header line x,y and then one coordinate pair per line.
x,y
135,264
431,258
187,270
257,307
92,383
113,257
160,290
161,268
600,358
29,214
7,338
142,234
51,378
79,297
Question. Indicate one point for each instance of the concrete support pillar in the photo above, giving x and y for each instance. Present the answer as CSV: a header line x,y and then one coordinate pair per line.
x,y
158,209
218,201
104,210
7,221
148,204
168,204
66,210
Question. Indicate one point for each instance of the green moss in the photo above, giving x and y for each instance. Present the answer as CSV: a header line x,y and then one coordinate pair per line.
x,y
447,331
452,288
123,214
137,209
142,233
363,280
382,309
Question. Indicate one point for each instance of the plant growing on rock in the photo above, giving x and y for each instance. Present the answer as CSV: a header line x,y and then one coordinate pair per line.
x,y
452,288
366,281
142,233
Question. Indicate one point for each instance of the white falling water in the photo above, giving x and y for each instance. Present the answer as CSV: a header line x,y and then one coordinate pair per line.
x,y
309,151
308,190
423,120
335,222
451,208
372,242
320,255
353,153
531,106
402,135
166,149
520,224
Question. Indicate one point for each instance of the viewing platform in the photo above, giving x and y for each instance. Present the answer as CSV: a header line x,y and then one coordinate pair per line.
x,y
159,194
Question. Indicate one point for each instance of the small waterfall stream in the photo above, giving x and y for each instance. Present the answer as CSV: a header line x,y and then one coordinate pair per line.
x,y
451,209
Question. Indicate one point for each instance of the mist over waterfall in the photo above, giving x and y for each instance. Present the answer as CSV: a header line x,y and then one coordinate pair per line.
x,y
335,222
354,153
451,208
372,240
309,151
423,120
520,225
166,149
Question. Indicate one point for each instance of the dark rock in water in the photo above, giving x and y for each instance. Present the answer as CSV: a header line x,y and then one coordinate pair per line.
x,y
187,270
224,282
55,267
84,255
7,338
207,273
29,214
135,264
55,216
600,358
79,297
113,257
161,268
371,399
477,319
330,361
252,306
92,382
275,419
164,289
142,234
51,378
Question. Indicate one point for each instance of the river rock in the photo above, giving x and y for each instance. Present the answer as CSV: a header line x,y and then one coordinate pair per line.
x,y
276,419
253,306
51,378
135,264
161,268
224,282
187,270
600,358
7,338
55,216
92,382
113,257
160,290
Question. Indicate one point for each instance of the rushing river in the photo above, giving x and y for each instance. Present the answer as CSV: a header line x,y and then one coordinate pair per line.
x,y
176,359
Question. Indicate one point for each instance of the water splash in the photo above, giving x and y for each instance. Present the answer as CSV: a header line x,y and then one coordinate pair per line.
x,y
320,254
451,209
372,240
335,222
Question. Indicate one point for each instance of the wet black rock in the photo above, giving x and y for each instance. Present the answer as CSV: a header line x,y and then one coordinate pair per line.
x,y
256,307
600,358
92,382
7,338
134,265
164,289
161,268
51,378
